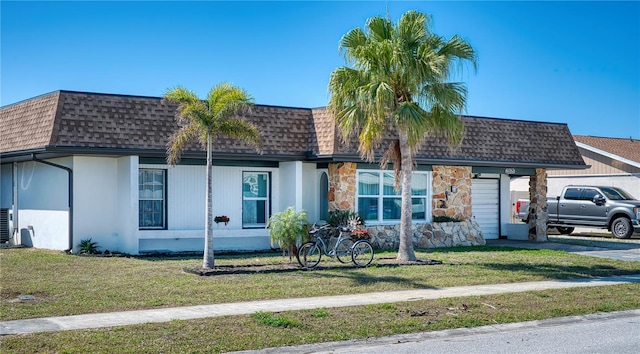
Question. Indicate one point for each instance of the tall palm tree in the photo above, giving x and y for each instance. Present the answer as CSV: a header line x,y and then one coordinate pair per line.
x,y
398,82
203,120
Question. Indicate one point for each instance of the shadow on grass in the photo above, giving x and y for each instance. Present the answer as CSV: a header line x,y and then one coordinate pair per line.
x,y
386,260
555,271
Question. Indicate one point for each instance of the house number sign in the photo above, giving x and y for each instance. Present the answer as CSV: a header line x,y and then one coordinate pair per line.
x,y
509,171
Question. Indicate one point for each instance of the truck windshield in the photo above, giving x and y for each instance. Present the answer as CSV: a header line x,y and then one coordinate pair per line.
x,y
616,194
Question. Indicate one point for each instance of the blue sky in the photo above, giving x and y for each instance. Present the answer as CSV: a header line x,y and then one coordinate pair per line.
x,y
570,62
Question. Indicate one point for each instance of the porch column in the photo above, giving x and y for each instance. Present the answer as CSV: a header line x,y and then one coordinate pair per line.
x,y
342,186
452,192
538,206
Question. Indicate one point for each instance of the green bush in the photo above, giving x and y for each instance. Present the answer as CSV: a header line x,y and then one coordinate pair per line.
x,y
288,227
344,218
86,246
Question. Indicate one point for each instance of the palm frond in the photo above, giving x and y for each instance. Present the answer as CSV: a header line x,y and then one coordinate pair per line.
x,y
446,124
226,100
379,29
187,102
413,28
240,129
179,141
449,95
458,50
393,156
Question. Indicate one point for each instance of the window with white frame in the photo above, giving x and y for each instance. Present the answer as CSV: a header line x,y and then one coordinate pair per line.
x,y
151,199
255,199
377,199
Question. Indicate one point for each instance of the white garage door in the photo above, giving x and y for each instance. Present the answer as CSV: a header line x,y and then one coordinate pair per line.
x,y
484,206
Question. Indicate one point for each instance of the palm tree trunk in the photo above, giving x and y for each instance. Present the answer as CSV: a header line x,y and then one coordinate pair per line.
x,y
207,261
405,250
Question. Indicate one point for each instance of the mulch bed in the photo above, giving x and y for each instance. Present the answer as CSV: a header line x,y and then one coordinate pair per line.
x,y
294,267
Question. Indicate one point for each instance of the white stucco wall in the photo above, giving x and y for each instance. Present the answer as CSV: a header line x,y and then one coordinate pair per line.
x,y
96,201
127,204
505,204
310,191
290,185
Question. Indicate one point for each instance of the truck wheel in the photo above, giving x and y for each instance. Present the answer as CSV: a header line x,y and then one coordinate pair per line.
x,y
565,230
621,228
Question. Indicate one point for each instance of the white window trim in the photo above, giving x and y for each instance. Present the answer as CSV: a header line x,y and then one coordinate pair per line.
x,y
380,221
267,200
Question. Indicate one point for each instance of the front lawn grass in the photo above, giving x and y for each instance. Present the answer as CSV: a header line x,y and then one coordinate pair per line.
x,y
66,285
264,329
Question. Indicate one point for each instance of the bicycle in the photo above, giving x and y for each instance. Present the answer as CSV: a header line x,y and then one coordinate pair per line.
x,y
310,253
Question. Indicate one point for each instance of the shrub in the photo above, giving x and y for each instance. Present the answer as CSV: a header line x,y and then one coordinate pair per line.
x,y
288,227
86,246
344,218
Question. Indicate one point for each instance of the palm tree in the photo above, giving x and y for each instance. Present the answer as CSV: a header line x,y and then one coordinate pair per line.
x,y
202,120
398,83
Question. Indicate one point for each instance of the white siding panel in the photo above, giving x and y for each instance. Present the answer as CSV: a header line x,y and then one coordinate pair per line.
x,y
186,210
186,197
484,205
186,194
227,195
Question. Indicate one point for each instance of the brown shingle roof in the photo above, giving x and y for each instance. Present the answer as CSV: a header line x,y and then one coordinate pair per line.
x,y
28,124
89,120
626,148
66,119
506,140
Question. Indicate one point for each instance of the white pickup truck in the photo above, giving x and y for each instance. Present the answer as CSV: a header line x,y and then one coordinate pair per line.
x,y
590,206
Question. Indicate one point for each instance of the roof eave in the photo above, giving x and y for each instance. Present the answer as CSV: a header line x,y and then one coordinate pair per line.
x,y
607,154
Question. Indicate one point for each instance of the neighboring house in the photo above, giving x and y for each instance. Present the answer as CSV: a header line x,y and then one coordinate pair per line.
x,y
78,165
612,162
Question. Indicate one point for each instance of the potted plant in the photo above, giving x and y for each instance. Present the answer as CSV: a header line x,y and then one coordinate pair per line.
x,y
222,218
360,234
287,228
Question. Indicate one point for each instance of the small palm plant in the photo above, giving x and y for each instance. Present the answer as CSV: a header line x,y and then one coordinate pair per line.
x,y
87,246
287,228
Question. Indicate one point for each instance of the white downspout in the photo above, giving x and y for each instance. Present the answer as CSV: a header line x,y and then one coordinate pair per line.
x,y
14,217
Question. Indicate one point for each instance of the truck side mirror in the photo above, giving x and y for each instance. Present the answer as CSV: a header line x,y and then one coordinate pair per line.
x,y
598,200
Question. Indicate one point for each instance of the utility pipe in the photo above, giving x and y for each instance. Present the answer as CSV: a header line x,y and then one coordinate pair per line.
x,y
16,231
70,185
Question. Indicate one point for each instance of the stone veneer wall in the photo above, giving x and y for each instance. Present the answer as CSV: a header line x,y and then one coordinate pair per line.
x,y
443,234
342,186
538,206
342,196
445,202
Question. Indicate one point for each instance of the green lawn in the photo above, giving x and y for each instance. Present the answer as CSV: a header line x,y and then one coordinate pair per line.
x,y
66,285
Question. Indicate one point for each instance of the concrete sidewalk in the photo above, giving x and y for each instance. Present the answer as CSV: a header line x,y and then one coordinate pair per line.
x,y
99,320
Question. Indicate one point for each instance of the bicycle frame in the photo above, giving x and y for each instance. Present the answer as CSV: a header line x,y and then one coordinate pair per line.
x,y
323,246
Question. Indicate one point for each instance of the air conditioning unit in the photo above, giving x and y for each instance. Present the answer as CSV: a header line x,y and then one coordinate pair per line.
x,y
5,234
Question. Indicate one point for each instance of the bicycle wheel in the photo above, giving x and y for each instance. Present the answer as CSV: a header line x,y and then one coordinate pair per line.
x,y
309,255
362,253
343,250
